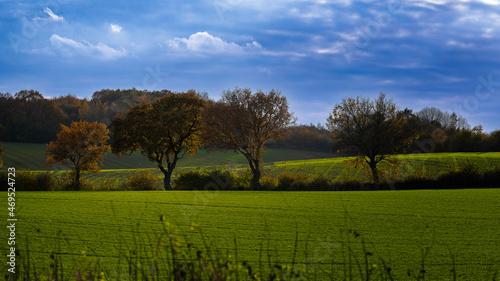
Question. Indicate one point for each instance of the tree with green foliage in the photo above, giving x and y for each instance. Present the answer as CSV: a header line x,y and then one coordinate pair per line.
x,y
244,122
29,117
165,130
374,130
83,145
494,141
467,141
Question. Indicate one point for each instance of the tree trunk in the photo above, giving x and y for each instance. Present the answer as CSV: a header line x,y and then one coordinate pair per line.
x,y
166,180
256,176
255,168
77,179
373,167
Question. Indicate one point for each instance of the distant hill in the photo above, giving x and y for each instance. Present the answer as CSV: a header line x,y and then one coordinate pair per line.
x,y
31,156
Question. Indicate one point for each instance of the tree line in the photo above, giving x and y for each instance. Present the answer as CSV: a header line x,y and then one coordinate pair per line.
x,y
29,117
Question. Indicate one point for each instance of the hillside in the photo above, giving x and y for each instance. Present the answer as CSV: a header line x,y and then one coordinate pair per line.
x,y
30,156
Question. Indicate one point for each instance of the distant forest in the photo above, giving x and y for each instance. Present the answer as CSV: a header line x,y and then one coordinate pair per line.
x,y
29,117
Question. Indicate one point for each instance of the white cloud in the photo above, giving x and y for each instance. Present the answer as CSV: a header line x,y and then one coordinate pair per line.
x,y
115,28
313,12
402,33
386,82
445,2
460,44
203,42
52,16
488,32
69,47
335,48
289,54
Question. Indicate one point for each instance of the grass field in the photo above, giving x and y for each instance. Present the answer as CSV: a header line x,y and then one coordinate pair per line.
x,y
30,156
117,170
429,164
460,227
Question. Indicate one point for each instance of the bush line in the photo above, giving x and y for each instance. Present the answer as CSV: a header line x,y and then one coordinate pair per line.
x,y
467,176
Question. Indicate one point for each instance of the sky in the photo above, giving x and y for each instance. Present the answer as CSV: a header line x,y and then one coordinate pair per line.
x,y
420,53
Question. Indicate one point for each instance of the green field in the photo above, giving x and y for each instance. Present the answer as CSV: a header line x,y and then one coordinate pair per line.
x,y
431,165
397,226
31,157
276,161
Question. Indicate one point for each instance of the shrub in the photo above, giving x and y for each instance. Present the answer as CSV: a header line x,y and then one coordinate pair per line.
x,y
4,180
466,176
67,182
45,181
189,180
350,185
491,178
320,182
110,184
26,180
214,179
219,180
142,180
288,181
243,181
268,183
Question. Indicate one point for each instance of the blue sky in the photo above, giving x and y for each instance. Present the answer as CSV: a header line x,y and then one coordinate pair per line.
x,y
420,53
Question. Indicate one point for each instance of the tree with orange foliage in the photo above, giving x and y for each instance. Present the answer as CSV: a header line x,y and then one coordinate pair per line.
x,y
82,145
244,122
371,129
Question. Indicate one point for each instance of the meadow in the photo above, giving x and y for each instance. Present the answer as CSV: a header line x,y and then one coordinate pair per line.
x,y
447,233
31,157
407,235
428,165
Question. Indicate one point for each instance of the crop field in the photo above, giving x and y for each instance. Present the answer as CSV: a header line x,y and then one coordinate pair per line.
x,y
442,229
429,164
276,161
31,156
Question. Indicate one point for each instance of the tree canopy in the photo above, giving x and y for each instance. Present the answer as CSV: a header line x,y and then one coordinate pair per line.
x,y
165,130
244,121
29,117
371,129
82,145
